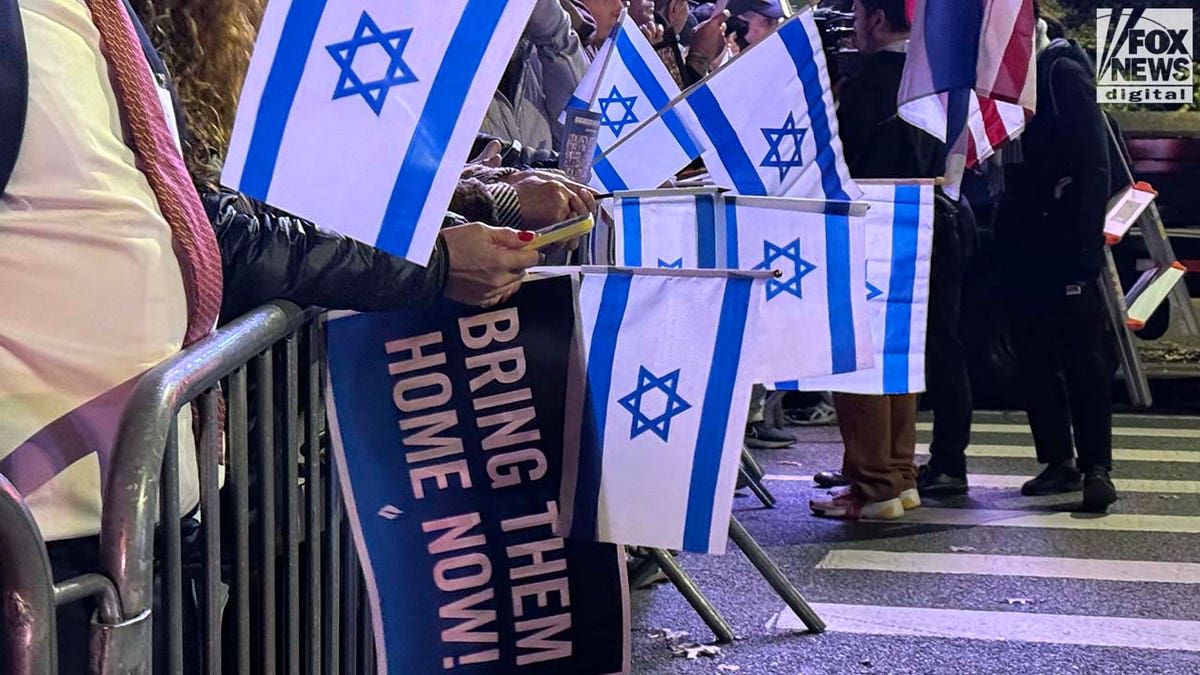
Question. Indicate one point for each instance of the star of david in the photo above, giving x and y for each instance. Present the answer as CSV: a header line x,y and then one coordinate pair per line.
x,y
625,103
775,139
676,265
873,292
374,92
660,424
800,268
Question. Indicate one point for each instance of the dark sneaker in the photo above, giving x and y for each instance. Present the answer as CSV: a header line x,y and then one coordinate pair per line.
x,y
1098,490
1055,479
830,479
762,435
933,483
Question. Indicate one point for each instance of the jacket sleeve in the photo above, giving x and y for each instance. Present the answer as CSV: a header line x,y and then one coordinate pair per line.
x,y
561,53
1083,199
268,255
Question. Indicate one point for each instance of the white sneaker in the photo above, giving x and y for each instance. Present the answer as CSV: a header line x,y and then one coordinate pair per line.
x,y
910,499
841,503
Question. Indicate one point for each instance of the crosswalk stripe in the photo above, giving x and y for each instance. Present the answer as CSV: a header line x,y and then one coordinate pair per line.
x,y
1097,631
1124,522
1119,454
1144,432
1013,565
1005,482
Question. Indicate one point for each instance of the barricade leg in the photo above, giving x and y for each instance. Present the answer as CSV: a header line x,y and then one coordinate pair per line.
x,y
774,576
752,464
764,495
692,593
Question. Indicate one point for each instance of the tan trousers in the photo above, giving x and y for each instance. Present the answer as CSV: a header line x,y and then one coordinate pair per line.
x,y
880,435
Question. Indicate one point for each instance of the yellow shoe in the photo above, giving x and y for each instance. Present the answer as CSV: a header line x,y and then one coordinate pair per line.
x,y
910,499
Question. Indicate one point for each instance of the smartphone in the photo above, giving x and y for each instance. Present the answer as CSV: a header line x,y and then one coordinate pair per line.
x,y
561,231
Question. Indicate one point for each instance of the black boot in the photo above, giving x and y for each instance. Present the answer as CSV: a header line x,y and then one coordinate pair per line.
x,y
1055,479
1098,490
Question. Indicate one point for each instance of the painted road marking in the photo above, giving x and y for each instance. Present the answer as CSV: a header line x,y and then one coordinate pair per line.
x,y
1117,522
1098,631
1144,432
1013,565
1006,482
1119,454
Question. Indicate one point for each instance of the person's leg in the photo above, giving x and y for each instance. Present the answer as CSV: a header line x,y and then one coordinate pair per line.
x,y
1088,366
70,558
1036,334
947,383
759,434
758,399
903,421
874,488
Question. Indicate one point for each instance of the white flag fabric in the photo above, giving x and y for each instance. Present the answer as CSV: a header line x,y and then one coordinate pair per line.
x,y
627,84
768,119
816,320
359,115
899,229
682,225
816,323
664,413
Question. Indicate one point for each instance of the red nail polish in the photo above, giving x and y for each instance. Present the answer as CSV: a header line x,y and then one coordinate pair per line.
x,y
525,236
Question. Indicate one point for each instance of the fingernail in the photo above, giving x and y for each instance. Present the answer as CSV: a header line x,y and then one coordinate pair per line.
x,y
525,236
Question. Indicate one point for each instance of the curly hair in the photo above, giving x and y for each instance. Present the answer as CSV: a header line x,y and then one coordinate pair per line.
x,y
206,45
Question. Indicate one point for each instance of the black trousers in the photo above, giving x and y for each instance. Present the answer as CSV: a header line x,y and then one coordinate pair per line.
x,y
1065,360
948,389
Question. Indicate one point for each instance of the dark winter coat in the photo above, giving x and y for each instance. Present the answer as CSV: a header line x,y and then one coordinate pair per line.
x,y
1051,221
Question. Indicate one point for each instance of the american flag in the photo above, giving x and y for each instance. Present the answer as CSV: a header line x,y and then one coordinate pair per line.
x,y
970,76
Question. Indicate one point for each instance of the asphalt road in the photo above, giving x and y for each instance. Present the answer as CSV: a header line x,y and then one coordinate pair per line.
x,y
989,583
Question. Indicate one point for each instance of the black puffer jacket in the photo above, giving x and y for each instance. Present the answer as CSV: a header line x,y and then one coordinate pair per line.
x,y
267,255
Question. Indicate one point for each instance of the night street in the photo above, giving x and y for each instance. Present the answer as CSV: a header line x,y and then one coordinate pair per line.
x,y
991,582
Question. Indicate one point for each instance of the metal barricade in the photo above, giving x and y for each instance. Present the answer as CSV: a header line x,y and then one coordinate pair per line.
x,y
26,590
273,569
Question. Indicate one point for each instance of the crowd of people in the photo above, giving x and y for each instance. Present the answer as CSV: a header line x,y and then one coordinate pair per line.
x,y
118,247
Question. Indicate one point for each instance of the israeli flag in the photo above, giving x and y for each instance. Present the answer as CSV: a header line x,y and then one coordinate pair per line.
x,y
359,115
674,220
816,323
664,410
899,236
816,320
768,119
633,92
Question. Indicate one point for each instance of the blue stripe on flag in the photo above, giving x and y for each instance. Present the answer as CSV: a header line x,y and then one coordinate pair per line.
x,y
725,141
631,230
607,175
714,418
906,223
731,234
952,33
706,224
837,275
576,102
436,125
279,92
837,234
654,92
613,300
